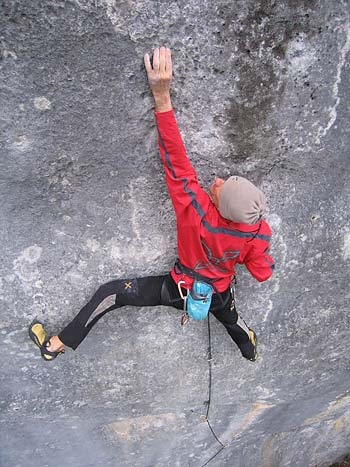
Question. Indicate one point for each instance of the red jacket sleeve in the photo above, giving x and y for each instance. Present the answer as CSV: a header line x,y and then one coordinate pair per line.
x,y
259,263
180,176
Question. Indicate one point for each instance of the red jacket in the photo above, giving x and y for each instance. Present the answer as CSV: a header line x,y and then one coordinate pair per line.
x,y
207,242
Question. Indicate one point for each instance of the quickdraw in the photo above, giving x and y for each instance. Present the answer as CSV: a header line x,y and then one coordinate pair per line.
x,y
184,315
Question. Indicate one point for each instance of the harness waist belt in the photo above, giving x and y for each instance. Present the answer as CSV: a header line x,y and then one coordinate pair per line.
x,y
180,268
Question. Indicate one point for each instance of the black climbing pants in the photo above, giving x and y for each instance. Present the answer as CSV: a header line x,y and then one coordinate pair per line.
x,y
148,291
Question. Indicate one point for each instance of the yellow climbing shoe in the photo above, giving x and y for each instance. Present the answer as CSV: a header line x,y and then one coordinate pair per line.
x,y
39,337
248,350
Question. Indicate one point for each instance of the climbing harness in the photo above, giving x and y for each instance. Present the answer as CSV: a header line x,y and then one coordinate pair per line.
x,y
198,298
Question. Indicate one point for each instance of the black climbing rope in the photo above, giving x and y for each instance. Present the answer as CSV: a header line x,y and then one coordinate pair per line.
x,y
209,388
209,398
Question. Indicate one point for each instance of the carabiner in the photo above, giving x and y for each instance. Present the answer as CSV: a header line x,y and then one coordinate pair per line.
x,y
180,290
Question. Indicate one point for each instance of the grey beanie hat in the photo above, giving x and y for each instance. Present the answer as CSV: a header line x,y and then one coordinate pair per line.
x,y
241,201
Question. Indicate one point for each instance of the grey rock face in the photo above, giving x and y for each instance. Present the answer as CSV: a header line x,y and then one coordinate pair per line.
x,y
261,89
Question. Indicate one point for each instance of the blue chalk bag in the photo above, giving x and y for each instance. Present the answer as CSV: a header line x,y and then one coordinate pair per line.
x,y
198,300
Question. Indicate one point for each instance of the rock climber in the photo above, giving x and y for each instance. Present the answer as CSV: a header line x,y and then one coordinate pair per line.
x,y
215,231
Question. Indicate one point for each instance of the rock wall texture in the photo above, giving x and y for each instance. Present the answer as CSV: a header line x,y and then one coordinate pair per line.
x,y
261,88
